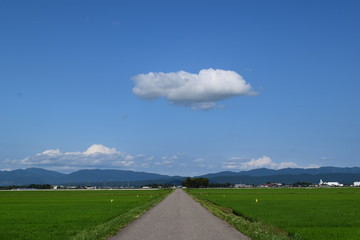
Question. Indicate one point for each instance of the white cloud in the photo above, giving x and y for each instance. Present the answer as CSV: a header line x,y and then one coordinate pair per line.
x,y
286,165
144,165
149,158
196,91
262,162
199,160
98,148
96,156
125,163
165,162
171,158
51,152
201,105
327,158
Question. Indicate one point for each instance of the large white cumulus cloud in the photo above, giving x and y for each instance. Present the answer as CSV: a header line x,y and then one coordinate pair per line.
x,y
198,91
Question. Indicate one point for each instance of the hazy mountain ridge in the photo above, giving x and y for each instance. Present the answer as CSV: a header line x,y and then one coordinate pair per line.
x,y
42,176
347,175
260,172
125,177
345,178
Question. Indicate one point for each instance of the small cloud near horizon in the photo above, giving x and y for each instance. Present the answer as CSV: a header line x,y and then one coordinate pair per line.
x,y
261,162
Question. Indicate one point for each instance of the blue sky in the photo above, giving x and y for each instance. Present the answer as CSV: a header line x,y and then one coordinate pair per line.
x,y
179,87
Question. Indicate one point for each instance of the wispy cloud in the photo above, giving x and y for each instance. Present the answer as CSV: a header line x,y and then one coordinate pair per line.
x,y
327,158
261,162
199,160
196,91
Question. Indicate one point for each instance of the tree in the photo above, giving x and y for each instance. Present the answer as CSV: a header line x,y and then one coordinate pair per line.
x,y
196,182
301,184
187,182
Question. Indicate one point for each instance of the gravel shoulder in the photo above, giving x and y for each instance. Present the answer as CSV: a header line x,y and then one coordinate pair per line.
x,y
178,217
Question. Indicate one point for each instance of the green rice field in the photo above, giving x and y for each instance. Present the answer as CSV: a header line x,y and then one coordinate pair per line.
x,y
313,214
52,215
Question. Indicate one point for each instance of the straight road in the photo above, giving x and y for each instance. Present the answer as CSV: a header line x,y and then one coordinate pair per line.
x,y
179,217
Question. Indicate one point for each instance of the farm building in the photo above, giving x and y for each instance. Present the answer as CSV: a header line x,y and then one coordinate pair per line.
x,y
356,184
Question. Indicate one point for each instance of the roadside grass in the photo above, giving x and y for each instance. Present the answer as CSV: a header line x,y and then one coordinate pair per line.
x,y
43,215
316,214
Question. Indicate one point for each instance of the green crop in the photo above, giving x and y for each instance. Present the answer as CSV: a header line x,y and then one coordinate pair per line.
x,y
314,213
71,214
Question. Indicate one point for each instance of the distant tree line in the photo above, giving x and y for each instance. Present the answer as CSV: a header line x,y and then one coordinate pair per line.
x,y
31,186
301,184
195,182
220,185
156,185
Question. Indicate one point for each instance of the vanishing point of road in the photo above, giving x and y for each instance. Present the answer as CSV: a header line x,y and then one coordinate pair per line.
x,y
179,217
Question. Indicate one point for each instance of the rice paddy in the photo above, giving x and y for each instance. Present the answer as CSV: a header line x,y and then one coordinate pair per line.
x,y
313,214
30,215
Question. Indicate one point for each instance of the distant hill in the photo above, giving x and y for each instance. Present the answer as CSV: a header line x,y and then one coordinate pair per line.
x,y
345,178
112,175
130,178
30,176
84,177
288,175
259,172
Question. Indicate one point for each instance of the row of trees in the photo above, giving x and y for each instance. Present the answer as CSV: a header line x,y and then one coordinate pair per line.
x,y
31,186
220,185
196,182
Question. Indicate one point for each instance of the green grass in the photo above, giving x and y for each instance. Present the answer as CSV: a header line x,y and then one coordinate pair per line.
x,y
313,214
71,214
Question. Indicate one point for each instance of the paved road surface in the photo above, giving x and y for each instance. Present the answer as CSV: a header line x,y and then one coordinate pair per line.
x,y
179,217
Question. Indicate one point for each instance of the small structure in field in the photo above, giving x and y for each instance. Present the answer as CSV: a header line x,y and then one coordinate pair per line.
x,y
240,185
271,185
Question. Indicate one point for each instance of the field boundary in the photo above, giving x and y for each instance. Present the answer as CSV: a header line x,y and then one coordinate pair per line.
x,y
256,230
111,227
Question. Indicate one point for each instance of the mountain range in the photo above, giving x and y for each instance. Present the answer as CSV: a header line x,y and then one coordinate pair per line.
x,y
131,178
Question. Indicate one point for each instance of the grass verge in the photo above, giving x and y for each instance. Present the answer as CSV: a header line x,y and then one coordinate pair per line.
x,y
111,227
256,230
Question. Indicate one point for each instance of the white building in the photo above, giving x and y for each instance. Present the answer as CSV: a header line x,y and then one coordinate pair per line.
x,y
356,184
240,185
